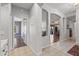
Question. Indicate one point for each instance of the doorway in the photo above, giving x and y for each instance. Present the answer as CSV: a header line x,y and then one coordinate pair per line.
x,y
71,27
56,34
54,28
19,32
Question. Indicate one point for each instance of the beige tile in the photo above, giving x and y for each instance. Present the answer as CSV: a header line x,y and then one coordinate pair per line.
x,y
57,50
22,51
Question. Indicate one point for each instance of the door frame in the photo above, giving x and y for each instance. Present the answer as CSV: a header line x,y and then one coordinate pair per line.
x,y
13,31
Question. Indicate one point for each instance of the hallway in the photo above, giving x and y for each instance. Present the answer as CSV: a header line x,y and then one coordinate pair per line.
x,y
45,28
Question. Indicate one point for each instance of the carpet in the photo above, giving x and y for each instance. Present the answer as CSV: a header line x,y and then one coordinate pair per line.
x,y
74,50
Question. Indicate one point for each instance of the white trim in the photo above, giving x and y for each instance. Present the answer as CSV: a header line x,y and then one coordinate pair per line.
x,y
34,52
46,46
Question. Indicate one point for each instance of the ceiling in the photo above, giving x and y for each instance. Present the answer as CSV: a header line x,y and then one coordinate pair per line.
x,y
72,18
53,18
24,5
63,7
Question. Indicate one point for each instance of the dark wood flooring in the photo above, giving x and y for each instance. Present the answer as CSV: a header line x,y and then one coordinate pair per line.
x,y
20,42
74,50
56,37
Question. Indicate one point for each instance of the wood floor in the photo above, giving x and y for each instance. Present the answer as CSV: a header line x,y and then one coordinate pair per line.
x,y
20,42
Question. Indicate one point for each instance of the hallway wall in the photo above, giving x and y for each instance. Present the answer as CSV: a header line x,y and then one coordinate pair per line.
x,y
71,25
6,23
35,20
18,27
24,30
0,29
77,24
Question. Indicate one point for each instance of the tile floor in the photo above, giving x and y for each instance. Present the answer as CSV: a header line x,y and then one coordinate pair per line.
x,y
21,51
56,49
59,48
52,51
66,45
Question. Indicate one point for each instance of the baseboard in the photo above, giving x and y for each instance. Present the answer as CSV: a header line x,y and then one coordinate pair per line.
x,y
62,40
46,46
35,53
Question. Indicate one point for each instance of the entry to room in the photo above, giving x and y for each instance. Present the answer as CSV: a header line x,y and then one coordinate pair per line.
x,y
54,28
19,32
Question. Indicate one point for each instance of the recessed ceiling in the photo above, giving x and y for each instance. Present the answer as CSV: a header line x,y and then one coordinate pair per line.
x,y
63,7
24,5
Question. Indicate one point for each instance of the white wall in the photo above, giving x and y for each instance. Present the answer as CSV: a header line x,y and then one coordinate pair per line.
x,y
64,28
0,29
44,26
18,27
23,30
77,24
35,20
6,23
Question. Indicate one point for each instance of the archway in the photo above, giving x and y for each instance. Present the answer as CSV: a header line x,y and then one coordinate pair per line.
x,y
54,28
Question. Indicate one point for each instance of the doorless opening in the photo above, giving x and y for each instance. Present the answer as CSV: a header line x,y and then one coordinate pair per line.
x,y
54,28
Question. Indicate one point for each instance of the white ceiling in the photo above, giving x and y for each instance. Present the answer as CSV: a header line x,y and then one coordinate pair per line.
x,y
72,18
53,18
63,7
24,5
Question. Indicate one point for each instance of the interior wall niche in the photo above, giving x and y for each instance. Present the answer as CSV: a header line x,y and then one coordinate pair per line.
x,y
44,22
